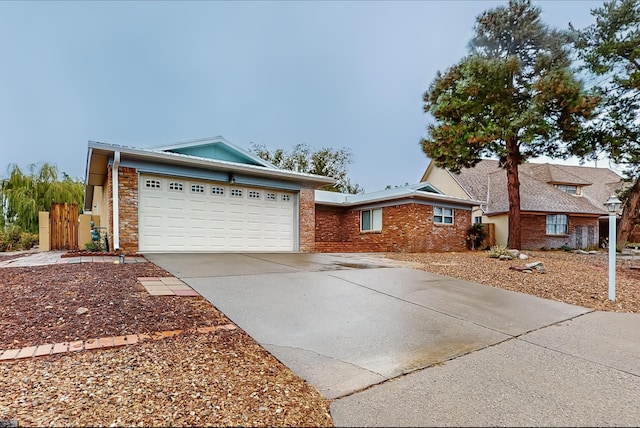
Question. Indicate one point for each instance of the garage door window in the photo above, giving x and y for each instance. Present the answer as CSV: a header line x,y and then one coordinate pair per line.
x,y
270,196
285,198
253,194
236,193
176,186
219,191
197,188
152,184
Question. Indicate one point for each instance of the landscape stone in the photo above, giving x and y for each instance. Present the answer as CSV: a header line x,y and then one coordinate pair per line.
x,y
81,311
505,257
523,257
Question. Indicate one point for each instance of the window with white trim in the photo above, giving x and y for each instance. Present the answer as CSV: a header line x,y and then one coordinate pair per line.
x,y
270,196
442,215
569,188
253,194
285,198
197,188
236,193
557,224
371,220
219,191
152,184
176,186
477,219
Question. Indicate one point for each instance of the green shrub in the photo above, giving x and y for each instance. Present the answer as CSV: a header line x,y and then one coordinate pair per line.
x,y
499,250
28,240
93,246
566,247
475,235
13,238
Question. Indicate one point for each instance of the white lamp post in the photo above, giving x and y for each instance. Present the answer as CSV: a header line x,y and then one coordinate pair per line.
x,y
613,205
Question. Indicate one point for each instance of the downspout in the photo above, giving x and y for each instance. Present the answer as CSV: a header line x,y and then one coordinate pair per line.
x,y
116,200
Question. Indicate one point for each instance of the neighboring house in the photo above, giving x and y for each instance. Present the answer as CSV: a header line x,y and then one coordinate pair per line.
x,y
209,195
414,218
560,204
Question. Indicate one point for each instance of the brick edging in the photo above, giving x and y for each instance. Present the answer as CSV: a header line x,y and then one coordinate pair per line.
x,y
99,343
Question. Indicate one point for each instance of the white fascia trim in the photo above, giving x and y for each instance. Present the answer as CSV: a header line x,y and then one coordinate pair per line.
x,y
116,201
413,195
209,163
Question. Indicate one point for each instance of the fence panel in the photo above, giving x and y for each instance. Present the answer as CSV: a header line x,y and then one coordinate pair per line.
x,y
63,226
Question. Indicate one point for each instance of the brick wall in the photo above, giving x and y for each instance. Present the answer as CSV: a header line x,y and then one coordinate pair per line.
x,y
128,213
534,232
307,215
405,228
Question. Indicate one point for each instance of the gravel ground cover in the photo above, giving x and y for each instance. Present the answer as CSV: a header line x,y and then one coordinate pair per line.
x,y
571,278
221,378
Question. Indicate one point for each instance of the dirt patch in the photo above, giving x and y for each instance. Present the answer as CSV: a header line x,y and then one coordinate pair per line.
x,y
40,303
193,379
571,278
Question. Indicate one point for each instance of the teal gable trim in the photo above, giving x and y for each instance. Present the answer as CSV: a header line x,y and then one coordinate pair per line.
x,y
206,174
216,151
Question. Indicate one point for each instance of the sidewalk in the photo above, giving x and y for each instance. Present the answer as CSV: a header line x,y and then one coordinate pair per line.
x,y
55,257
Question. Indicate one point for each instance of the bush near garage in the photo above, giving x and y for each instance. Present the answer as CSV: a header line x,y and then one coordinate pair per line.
x,y
14,238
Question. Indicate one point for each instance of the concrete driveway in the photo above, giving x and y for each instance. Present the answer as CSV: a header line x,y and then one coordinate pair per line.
x,y
438,351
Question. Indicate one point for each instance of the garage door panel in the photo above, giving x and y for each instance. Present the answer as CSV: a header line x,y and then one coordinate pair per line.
x,y
181,220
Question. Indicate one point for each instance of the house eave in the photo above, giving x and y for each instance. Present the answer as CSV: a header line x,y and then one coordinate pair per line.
x,y
96,148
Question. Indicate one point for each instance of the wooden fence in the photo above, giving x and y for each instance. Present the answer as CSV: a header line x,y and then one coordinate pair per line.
x,y
63,226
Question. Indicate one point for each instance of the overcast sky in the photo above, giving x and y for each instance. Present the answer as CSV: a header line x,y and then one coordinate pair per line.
x,y
335,74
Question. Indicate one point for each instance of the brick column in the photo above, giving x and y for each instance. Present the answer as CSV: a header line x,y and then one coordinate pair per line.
x,y
128,215
307,216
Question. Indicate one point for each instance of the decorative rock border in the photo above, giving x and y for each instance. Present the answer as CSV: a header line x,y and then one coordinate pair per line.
x,y
99,343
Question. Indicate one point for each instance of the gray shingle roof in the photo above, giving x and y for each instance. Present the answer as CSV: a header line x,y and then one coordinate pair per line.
x,y
487,181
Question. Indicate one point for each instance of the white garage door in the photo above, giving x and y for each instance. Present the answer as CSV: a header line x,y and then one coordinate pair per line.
x,y
191,215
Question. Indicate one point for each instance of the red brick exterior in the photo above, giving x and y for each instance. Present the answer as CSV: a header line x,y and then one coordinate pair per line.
x,y
128,215
307,216
534,232
128,208
405,228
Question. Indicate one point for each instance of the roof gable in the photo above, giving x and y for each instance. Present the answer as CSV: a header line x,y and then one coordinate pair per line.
x,y
216,148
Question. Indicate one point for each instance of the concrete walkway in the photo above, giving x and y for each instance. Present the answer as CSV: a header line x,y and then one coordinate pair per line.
x,y
55,257
393,346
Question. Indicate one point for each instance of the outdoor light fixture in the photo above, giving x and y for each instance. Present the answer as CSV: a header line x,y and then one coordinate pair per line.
x,y
613,205
232,178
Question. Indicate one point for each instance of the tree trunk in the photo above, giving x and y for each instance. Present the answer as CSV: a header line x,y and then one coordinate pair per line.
x,y
628,220
513,189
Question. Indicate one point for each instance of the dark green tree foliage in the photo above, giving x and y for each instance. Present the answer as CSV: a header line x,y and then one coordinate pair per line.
x,y
514,97
22,195
325,161
610,49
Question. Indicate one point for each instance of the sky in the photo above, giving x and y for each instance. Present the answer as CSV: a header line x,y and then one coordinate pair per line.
x,y
143,74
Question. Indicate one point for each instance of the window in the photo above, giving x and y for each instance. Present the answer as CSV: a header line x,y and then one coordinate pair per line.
x,y
236,193
285,198
270,196
197,188
152,184
477,219
443,215
217,190
557,224
371,220
570,189
176,186
253,194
